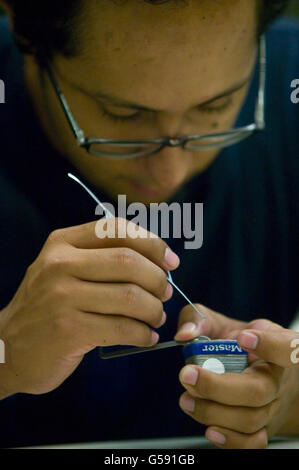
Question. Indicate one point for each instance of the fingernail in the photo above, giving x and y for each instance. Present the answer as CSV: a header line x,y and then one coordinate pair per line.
x,y
155,337
248,340
187,403
168,292
172,260
216,437
186,328
189,375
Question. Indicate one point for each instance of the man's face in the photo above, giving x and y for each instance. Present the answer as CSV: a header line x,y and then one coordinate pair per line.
x,y
174,59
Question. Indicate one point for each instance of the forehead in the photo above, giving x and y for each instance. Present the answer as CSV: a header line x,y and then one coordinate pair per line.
x,y
133,48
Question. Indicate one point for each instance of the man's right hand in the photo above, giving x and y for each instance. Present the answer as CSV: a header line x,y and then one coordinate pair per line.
x,y
82,292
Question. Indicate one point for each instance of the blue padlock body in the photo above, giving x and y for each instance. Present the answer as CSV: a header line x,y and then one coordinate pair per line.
x,y
213,348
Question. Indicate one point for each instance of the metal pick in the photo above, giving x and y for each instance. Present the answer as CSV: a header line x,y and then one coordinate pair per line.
x,y
165,345
109,215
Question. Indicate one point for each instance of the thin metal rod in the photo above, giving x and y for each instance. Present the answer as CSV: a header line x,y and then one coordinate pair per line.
x,y
188,300
165,345
107,212
110,215
128,352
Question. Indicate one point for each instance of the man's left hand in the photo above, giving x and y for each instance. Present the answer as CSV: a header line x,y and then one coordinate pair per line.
x,y
242,411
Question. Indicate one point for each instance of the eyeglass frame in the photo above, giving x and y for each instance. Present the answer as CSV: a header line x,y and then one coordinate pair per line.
x,y
234,135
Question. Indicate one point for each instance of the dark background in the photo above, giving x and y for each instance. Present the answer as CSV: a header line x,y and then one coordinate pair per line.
x,y
293,9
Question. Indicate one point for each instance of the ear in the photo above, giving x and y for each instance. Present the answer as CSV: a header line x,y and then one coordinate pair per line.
x,y
10,15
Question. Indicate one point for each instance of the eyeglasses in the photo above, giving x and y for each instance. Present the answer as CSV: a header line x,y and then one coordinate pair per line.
x,y
115,148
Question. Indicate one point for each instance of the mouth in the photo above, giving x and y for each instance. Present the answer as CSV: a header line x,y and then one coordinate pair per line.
x,y
150,191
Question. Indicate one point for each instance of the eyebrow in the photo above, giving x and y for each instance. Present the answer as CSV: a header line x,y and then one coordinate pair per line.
x,y
121,103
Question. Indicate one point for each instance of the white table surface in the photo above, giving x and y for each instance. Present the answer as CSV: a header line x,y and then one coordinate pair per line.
x,y
171,443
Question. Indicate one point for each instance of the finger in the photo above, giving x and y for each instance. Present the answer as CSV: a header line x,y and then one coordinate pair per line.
x,y
216,325
228,439
88,330
119,265
257,386
277,346
250,356
241,419
87,236
262,324
119,299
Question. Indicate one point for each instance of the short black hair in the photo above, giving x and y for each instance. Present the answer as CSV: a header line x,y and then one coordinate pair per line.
x,y
46,27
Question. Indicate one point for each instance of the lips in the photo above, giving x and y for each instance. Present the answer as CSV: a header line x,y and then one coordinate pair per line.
x,y
150,190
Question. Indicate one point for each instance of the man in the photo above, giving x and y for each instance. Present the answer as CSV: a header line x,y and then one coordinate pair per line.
x,y
143,71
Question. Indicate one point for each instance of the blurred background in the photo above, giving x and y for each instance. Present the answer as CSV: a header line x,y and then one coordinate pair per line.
x,y
294,8
292,11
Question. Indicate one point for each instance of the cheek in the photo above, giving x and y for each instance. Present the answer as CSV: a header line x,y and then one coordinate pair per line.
x,y
201,160
215,125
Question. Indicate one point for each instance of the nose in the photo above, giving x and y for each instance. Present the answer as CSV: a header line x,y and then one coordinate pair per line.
x,y
174,142
169,167
169,124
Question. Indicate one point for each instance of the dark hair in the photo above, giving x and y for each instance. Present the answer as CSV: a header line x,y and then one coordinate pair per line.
x,y
270,10
45,27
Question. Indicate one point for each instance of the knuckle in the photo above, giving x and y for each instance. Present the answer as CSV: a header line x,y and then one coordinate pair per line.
x,y
30,276
62,322
56,236
42,276
61,292
54,262
30,268
132,333
131,294
32,279
120,225
263,324
125,258
156,245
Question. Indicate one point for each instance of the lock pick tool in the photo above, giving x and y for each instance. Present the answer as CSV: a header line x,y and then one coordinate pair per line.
x,y
167,344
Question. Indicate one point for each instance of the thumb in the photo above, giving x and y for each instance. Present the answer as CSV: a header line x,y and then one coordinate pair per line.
x,y
279,346
215,325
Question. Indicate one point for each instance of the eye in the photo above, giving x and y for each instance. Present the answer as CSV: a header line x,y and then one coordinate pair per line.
x,y
217,106
117,118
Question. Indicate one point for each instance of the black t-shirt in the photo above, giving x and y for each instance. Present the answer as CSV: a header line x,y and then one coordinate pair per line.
x,y
246,268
